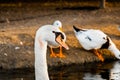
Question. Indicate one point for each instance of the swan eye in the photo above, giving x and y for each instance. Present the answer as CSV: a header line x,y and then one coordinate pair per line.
x,y
103,37
57,24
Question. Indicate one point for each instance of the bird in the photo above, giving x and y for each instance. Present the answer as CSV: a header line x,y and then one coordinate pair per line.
x,y
94,39
57,25
46,35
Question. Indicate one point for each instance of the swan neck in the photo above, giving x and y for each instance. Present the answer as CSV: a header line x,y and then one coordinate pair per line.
x,y
41,70
114,50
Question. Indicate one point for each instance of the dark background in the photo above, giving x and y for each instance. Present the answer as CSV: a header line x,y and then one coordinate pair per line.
x,y
13,1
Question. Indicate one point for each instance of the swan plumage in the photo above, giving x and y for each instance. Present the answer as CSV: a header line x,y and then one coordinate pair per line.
x,y
92,39
46,35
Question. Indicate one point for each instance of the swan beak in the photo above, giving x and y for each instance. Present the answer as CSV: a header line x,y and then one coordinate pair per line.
x,y
61,42
60,28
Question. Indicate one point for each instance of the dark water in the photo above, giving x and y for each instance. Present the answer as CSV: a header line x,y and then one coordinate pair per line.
x,y
89,71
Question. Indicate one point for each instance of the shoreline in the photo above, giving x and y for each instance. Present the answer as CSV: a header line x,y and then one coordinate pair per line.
x,y
17,37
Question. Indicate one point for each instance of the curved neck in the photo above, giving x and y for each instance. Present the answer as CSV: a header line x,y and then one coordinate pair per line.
x,y
41,71
114,50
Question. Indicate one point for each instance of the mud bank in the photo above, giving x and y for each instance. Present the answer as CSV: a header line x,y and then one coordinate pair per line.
x,y
18,27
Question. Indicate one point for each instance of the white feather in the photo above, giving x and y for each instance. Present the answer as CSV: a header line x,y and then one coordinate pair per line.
x,y
44,36
94,39
97,38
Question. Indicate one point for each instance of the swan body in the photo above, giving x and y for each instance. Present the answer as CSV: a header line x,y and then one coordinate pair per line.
x,y
92,39
46,35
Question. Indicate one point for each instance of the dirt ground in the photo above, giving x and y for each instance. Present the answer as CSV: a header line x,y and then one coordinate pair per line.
x,y
18,26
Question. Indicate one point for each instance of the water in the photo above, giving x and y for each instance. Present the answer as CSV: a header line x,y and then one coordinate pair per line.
x,y
92,71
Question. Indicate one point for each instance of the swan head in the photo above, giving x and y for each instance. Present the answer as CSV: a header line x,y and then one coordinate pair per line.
x,y
58,24
59,38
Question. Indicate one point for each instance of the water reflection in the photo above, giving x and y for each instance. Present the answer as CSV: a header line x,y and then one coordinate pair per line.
x,y
91,71
110,73
24,74
89,76
115,71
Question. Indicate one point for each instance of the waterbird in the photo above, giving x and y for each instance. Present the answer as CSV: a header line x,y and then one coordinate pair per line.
x,y
93,39
47,35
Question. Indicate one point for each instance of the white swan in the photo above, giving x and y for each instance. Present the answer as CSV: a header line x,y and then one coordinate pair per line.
x,y
46,35
57,25
92,39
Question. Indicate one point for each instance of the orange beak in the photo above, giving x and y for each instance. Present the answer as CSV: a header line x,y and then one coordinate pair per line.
x,y
61,29
61,42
